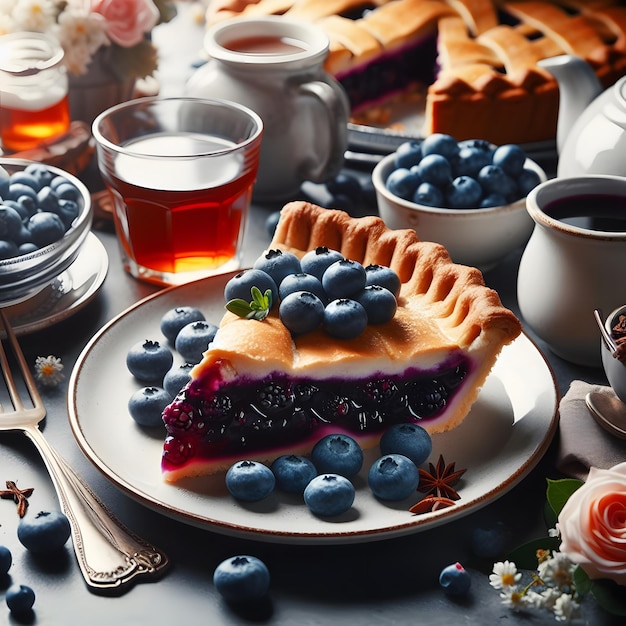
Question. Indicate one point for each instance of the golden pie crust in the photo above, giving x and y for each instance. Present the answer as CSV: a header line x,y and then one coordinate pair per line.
x,y
488,69
443,309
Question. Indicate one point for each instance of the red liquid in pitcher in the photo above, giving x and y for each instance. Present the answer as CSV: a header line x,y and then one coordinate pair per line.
x,y
181,216
601,212
22,129
261,44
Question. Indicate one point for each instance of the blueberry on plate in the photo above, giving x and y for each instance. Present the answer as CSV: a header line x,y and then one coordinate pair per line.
x,y
345,185
5,560
301,312
337,454
277,264
146,406
455,579
149,361
408,439
317,261
20,598
293,472
393,477
178,317
250,481
328,495
176,378
193,340
242,578
47,531
379,303
344,319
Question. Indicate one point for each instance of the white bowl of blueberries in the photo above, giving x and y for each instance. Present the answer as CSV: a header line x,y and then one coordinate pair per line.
x,y
469,195
45,216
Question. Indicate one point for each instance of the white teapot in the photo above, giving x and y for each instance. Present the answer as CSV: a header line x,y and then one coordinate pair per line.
x,y
591,130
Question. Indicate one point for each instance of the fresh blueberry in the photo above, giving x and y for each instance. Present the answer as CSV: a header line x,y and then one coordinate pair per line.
x,y
328,495
249,481
408,439
455,579
27,247
176,378
271,221
25,209
47,199
68,191
317,261
343,279
20,598
293,472
492,199
344,319
379,303
46,228
408,154
23,236
240,285
435,169
8,249
5,181
464,193
345,185
440,143
343,203
42,174
428,195
146,406
26,178
510,158
471,159
301,282
301,312
494,179
10,222
68,211
5,560
403,182
393,477
242,578
383,276
337,454
277,264
174,319
149,361
19,189
526,181
193,340
47,531
489,542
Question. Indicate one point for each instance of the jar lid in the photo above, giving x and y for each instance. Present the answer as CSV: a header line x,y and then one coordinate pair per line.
x,y
26,54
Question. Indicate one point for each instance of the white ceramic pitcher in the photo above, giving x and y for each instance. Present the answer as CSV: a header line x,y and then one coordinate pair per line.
x,y
275,66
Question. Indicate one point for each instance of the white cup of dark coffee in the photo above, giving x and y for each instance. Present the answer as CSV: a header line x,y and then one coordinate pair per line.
x,y
275,66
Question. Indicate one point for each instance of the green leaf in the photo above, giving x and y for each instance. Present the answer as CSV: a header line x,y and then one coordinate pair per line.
x,y
610,596
559,492
239,307
525,556
582,582
257,309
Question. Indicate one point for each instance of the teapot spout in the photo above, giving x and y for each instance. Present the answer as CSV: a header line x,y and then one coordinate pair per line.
x,y
578,87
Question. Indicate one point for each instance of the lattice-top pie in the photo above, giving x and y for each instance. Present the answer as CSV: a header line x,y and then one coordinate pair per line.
x,y
259,392
477,58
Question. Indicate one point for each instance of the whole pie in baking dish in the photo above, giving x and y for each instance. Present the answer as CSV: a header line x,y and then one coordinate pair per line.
x,y
476,59
260,392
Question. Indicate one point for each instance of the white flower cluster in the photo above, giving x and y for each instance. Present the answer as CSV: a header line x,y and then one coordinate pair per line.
x,y
49,370
551,588
79,30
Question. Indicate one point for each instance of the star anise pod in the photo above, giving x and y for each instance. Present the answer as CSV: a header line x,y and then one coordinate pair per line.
x,y
439,480
430,504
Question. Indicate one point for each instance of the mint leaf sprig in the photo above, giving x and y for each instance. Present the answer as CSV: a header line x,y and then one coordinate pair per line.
x,y
257,309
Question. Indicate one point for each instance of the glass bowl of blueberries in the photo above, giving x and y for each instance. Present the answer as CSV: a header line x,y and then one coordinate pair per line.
x,y
45,216
468,195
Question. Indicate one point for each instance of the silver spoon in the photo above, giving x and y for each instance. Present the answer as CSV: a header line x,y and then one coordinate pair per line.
x,y
609,342
609,411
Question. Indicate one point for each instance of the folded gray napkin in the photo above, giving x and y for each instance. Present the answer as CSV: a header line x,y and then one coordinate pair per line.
x,y
583,442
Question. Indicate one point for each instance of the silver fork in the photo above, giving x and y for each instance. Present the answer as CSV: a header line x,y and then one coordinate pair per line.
x,y
109,555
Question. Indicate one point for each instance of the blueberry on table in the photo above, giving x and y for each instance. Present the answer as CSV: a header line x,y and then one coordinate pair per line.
x,y
455,579
317,261
239,287
193,340
345,185
242,578
5,560
293,472
408,439
178,317
328,495
344,319
47,531
20,598
393,477
147,404
343,279
250,481
149,361
379,303
337,454
277,264
301,312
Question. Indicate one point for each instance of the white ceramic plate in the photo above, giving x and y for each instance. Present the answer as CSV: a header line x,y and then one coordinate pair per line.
x,y
508,431
67,294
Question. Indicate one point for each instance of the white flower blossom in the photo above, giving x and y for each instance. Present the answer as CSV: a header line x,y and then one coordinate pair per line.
x,y
557,571
504,575
555,532
513,598
34,15
566,608
49,370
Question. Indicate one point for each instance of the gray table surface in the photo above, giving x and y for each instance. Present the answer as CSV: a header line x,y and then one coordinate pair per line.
x,y
382,582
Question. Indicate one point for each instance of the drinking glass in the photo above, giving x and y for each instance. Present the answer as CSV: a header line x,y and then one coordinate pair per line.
x,y
181,172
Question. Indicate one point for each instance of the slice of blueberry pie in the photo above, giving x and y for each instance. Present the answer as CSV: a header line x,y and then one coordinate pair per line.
x,y
263,389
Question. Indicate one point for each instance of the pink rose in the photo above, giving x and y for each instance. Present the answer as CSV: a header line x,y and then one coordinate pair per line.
x,y
593,524
127,20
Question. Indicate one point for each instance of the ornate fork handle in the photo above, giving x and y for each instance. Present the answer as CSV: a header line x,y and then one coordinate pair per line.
x,y
109,555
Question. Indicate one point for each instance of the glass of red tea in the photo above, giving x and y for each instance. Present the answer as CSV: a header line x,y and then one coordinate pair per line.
x,y
181,173
33,90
